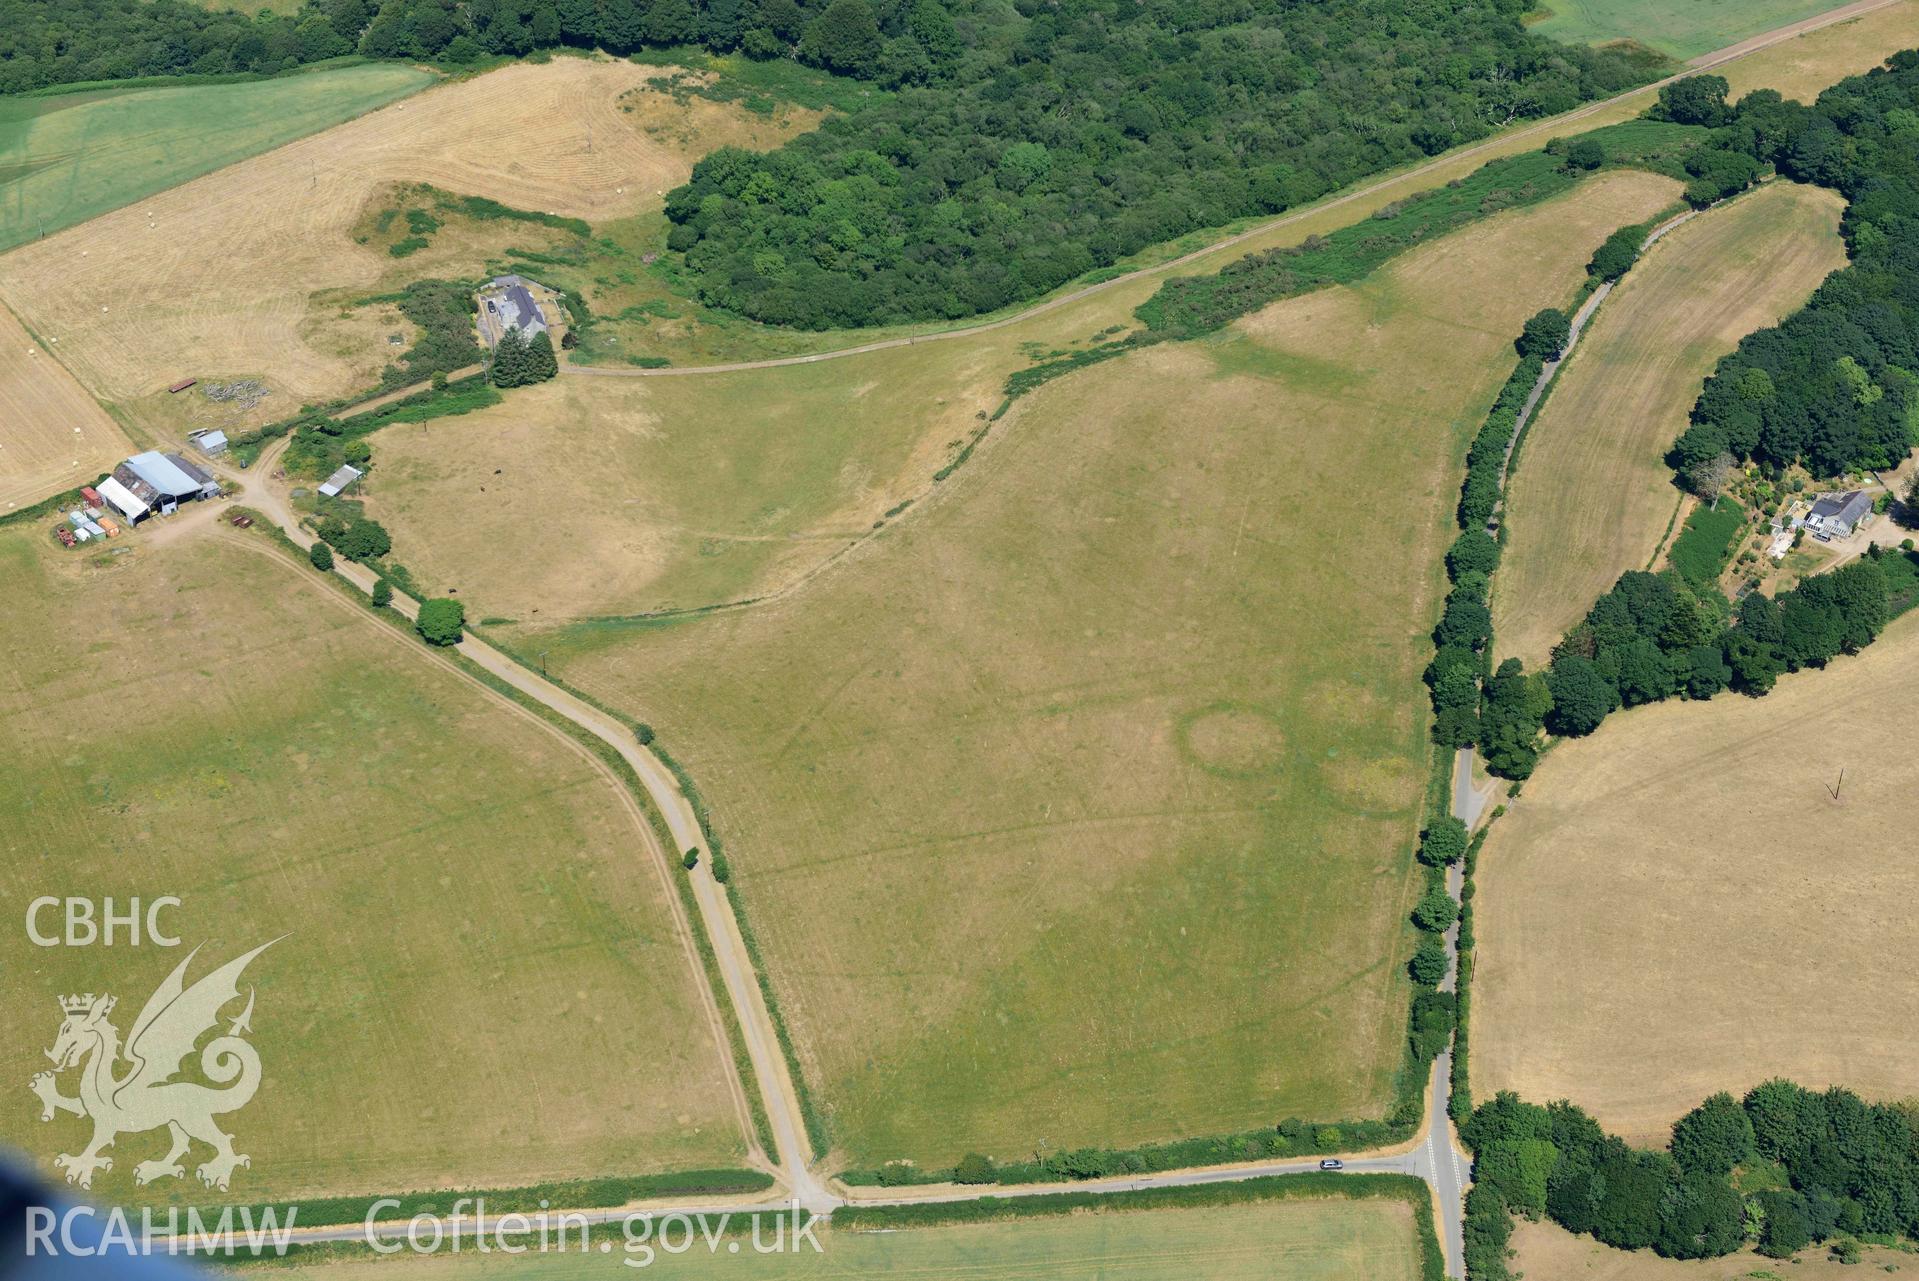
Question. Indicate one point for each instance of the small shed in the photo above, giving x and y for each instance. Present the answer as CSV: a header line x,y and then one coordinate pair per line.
x,y
210,443
340,481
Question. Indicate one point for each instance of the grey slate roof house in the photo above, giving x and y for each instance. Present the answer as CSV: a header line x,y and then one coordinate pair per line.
x,y
1838,515
507,302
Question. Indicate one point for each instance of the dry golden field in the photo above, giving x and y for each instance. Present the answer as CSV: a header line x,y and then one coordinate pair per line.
x,y
216,275
1334,1240
1591,495
1801,67
723,486
1548,1252
691,491
1678,905
52,434
484,981
1076,807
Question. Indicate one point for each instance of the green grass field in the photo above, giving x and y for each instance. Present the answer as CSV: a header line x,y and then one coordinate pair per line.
x,y
65,158
1077,807
1703,547
482,982
1272,1241
1678,28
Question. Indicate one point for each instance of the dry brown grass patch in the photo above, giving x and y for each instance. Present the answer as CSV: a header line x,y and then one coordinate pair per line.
x,y
611,496
1551,1253
1801,67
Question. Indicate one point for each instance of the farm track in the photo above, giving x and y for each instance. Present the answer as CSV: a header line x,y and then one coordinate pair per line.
x,y
1443,1171
1434,1157
1547,128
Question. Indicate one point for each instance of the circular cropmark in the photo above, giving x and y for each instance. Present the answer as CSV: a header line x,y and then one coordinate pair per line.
x,y
1233,740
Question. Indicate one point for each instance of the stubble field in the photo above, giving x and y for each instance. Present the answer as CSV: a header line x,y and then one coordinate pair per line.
x,y
1591,495
1274,1241
216,275
1077,808
484,982
1678,905
68,157
54,436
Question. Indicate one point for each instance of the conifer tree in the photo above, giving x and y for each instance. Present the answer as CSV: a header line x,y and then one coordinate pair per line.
x,y
509,360
541,363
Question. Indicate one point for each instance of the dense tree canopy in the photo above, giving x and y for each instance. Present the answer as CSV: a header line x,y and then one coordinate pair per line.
x,y
1836,384
52,42
441,621
1852,1167
1546,334
1093,129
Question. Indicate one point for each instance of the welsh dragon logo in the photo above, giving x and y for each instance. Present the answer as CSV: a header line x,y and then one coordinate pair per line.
x,y
144,1095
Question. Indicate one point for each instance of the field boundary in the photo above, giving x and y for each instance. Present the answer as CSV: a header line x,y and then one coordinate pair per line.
x,y
1285,1187
1705,62
755,1124
818,1132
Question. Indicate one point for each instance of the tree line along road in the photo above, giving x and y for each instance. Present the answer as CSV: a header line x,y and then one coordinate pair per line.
x,y
1435,1157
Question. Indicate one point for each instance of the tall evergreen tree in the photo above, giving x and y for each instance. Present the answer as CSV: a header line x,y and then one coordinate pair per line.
x,y
541,363
510,360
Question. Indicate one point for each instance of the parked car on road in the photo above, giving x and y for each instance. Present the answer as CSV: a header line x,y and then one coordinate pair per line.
x,y
1332,1163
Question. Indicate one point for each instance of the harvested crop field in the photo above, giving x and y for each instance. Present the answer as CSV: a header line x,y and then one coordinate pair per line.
x,y
1801,67
1548,1251
223,267
68,157
1274,1241
1077,806
55,436
1591,495
459,885
1678,905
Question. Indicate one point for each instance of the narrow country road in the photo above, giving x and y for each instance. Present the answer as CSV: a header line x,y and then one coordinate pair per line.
x,y
1547,128
774,1082
1436,1157
1448,1164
